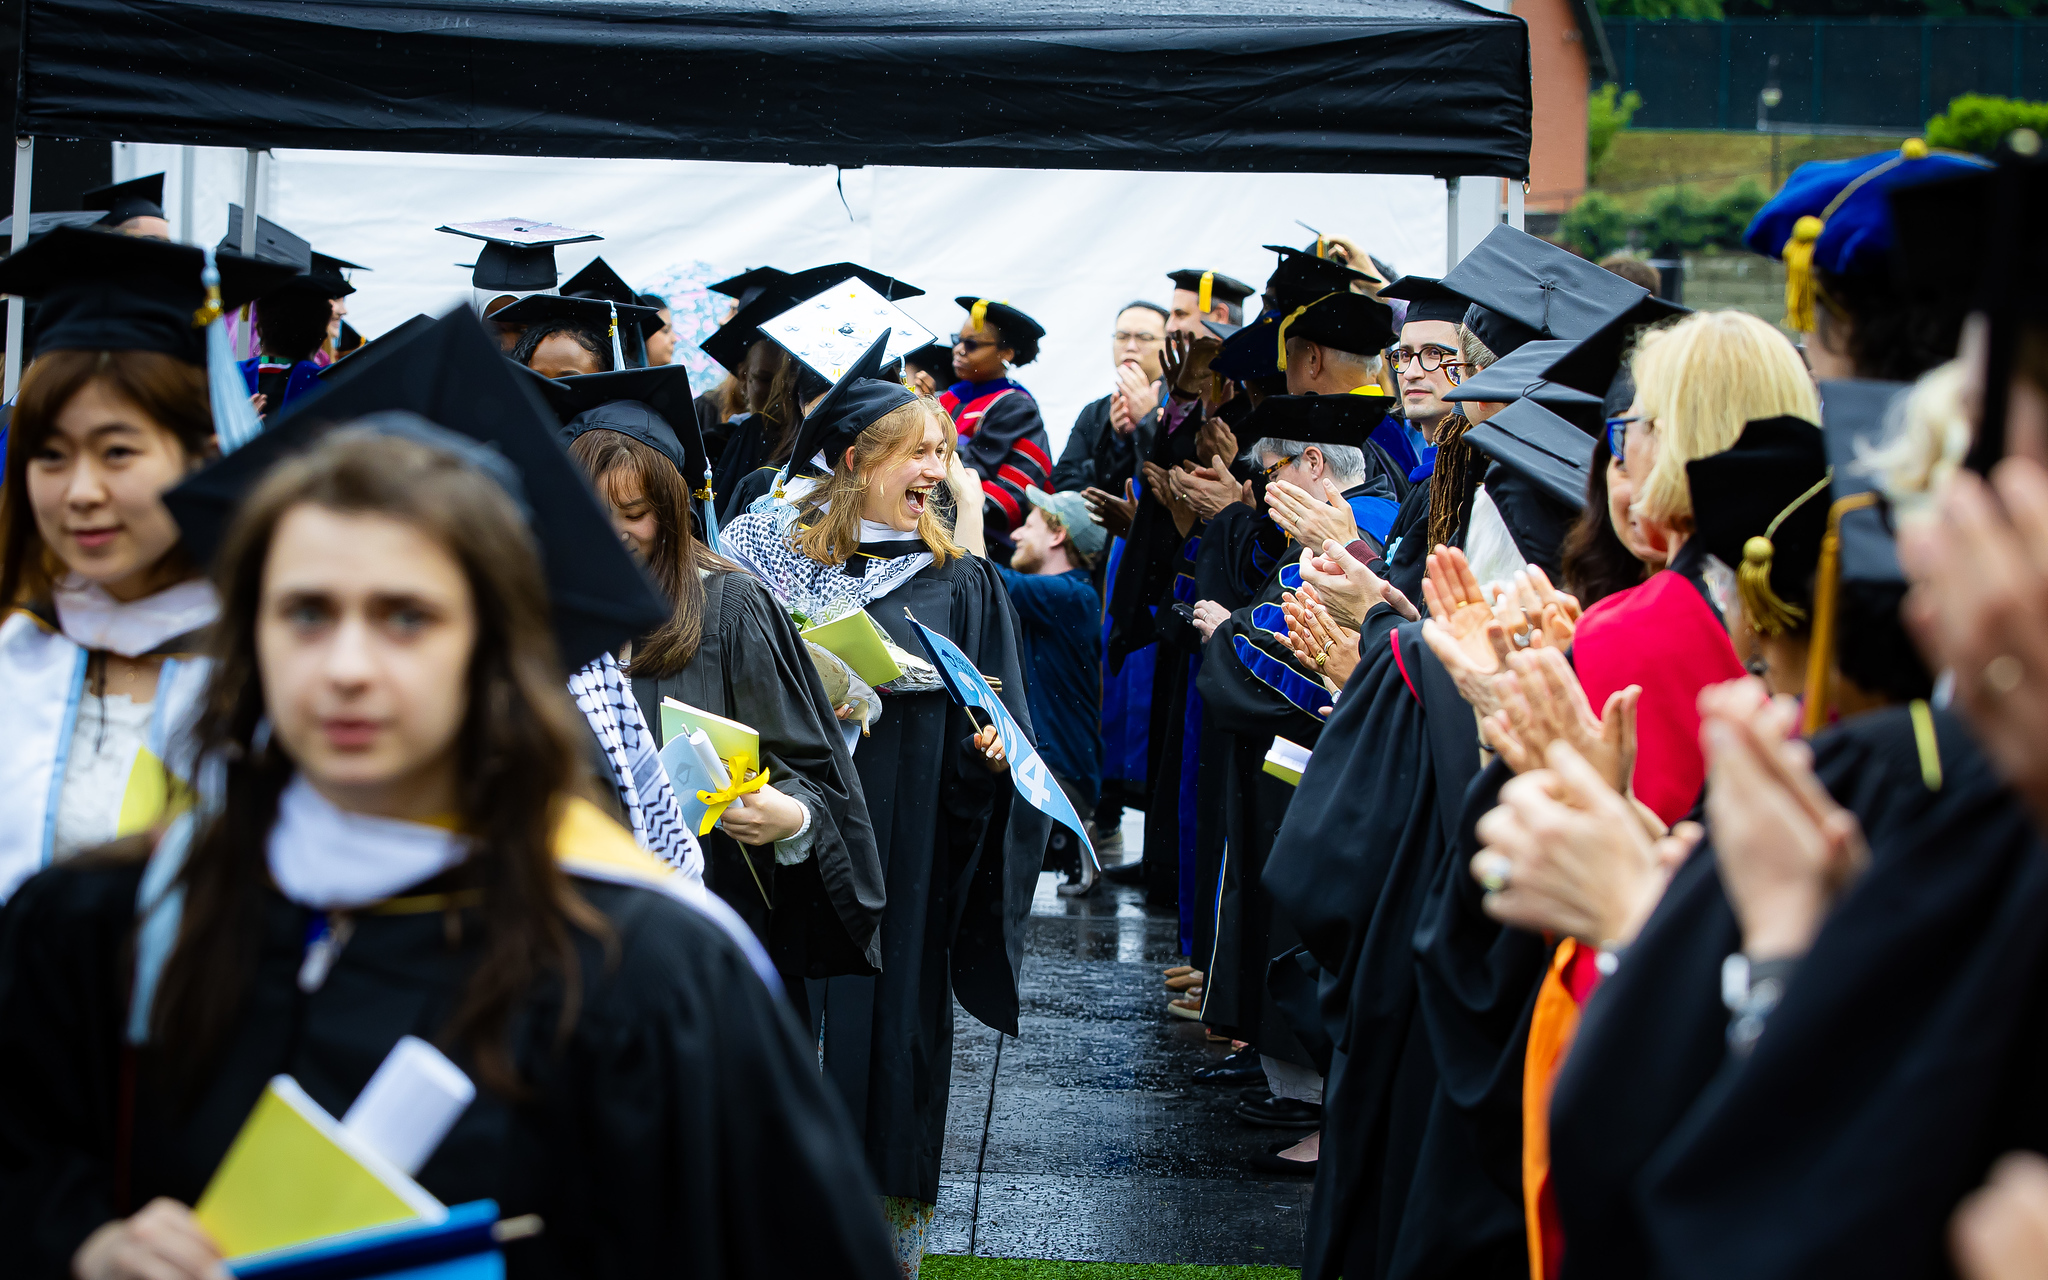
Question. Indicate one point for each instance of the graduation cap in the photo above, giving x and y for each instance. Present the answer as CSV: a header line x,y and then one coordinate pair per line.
x,y
1251,352
751,283
1859,584
452,375
592,313
397,333
1835,216
807,282
1209,287
765,293
1302,277
1533,442
598,280
518,254
1345,321
935,358
120,201
1019,331
103,291
273,243
1519,377
1523,289
651,405
1314,419
832,330
855,402
1221,331
43,223
1594,365
1428,300
1761,507
324,277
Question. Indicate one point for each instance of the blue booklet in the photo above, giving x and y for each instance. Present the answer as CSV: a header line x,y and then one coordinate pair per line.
x,y
463,1247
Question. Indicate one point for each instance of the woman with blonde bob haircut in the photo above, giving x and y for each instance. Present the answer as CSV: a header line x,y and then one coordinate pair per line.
x,y
867,530
1698,383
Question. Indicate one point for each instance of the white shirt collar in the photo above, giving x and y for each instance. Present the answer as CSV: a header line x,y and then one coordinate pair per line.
x,y
93,619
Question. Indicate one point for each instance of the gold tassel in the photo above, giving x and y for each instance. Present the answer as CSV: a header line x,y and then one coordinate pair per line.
x,y
1297,314
1202,297
1799,282
1827,581
1768,615
977,314
1929,745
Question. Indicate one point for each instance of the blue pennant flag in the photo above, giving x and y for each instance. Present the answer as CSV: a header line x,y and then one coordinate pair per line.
x,y
1027,771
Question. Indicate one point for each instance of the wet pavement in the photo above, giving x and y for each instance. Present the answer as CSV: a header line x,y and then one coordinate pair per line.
x,y
1098,1147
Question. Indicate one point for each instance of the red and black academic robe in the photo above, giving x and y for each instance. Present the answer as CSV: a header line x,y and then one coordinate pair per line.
x,y
1003,438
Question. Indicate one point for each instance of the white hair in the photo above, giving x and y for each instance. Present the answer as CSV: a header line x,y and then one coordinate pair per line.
x,y
1346,462
1366,363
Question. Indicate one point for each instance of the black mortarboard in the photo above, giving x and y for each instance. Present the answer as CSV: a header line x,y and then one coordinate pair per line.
x,y
730,342
592,313
453,375
102,291
1221,330
518,254
598,280
1595,364
325,276
805,283
135,198
854,403
1346,321
935,358
752,283
1314,419
1761,508
43,223
1217,287
1533,442
765,293
1427,299
1301,277
397,333
1017,328
273,243
1526,288
1519,377
1251,352
651,405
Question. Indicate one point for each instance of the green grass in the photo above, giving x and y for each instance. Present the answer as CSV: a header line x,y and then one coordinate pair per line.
x,y
1642,161
941,1266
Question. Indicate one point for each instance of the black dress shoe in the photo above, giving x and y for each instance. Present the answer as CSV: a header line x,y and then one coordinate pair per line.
x,y
1281,1113
1270,1161
1257,1093
1131,872
1238,1068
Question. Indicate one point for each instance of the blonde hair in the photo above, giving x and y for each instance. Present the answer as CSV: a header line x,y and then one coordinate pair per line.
x,y
1699,382
1924,441
828,518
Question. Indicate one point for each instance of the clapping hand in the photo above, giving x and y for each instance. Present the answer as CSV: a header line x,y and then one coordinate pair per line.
x,y
1173,359
1348,588
1543,702
1134,397
1212,488
2000,1231
1114,514
1784,847
1318,642
1312,521
1462,630
1215,439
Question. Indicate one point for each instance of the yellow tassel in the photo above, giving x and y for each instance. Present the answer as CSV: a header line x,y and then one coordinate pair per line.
x,y
1827,581
1297,314
1914,149
1768,615
1320,244
1202,297
1929,745
1799,282
211,312
977,314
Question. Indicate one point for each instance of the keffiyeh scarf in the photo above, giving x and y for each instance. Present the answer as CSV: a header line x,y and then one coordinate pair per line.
x,y
606,700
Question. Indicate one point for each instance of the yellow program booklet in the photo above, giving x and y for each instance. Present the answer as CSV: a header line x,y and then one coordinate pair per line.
x,y
294,1174
858,642
705,753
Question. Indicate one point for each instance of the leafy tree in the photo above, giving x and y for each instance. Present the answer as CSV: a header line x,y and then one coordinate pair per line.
x,y
1979,122
1606,115
1596,226
1676,218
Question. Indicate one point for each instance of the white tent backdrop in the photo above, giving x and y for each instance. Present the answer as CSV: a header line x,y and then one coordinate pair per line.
x,y
1068,247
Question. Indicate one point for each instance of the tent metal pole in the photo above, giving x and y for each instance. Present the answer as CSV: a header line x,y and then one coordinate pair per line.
x,y
24,180
249,210
1451,254
1517,193
188,177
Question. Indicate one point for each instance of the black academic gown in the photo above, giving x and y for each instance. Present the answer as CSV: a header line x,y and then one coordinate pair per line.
x,y
818,917
679,1129
750,437
1096,456
1353,868
960,862
1905,1056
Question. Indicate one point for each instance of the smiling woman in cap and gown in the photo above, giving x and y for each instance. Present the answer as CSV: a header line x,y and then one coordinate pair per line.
x,y
1002,436
361,868
960,857
100,647
806,877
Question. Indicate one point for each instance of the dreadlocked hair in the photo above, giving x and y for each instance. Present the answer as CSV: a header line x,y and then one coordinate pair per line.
x,y
1452,482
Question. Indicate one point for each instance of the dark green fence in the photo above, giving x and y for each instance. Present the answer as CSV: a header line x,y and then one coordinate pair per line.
x,y
1872,73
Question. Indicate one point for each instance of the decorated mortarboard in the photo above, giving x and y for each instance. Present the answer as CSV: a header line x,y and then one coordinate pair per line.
x,y
1345,321
1427,299
1524,289
398,333
120,201
452,375
40,224
858,399
810,280
518,254
1595,365
1533,442
102,291
833,329
1761,508
1017,328
751,283
273,243
765,292
1314,419
1209,287
1834,216
651,405
1301,276
1252,351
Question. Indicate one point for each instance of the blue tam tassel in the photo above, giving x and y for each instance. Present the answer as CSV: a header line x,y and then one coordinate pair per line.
x,y
234,420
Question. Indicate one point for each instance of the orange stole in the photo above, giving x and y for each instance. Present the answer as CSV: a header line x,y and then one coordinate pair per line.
x,y
1572,977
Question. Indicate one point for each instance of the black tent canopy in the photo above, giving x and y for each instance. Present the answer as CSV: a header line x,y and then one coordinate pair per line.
x,y
1357,86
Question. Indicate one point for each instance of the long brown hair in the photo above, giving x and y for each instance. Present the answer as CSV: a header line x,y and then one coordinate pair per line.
x,y
1596,562
167,390
518,756
829,515
610,457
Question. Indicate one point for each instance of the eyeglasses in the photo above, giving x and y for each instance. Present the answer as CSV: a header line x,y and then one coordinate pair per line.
x,y
1146,338
972,344
1432,358
1274,470
1617,432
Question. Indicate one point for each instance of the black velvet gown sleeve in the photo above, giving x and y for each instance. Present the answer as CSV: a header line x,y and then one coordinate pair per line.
x,y
1076,467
